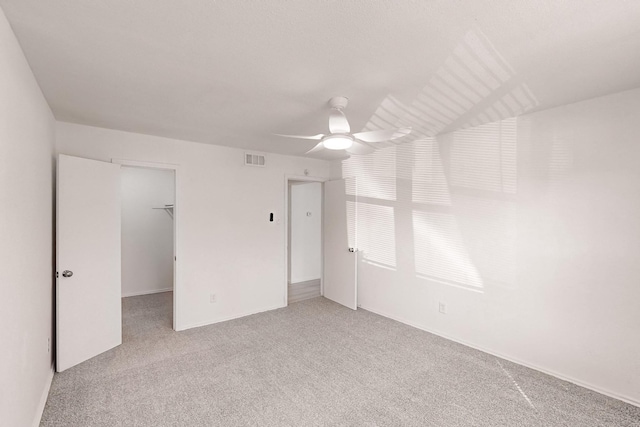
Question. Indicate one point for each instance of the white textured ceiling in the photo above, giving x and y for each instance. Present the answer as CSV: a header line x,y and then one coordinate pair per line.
x,y
232,72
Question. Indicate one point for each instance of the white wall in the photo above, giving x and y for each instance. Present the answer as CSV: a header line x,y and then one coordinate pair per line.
x,y
226,244
26,181
147,233
306,231
527,229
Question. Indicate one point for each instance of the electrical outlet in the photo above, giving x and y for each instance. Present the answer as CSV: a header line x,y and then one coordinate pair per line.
x,y
213,298
442,308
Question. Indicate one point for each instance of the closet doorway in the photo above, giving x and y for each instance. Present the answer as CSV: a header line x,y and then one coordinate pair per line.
x,y
304,240
148,230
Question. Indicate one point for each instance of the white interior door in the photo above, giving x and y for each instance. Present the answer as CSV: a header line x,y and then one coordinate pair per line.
x,y
339,278
88,290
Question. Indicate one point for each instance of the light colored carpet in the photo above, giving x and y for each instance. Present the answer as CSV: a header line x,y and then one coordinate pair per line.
x,y
312,363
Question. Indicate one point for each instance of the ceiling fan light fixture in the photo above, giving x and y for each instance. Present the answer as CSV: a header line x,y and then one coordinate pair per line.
x,y
340,136
337,142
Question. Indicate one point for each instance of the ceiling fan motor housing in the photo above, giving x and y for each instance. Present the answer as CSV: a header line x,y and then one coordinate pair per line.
x,y
339,102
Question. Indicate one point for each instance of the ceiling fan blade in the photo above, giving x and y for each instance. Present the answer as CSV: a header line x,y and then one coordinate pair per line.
x,y
317,137
382,135
338,122
319,146
359,148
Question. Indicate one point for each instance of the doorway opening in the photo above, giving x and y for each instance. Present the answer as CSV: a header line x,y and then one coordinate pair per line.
x,y
148,243
304,239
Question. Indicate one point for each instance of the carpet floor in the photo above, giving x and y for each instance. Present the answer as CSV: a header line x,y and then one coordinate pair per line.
x,y
313,363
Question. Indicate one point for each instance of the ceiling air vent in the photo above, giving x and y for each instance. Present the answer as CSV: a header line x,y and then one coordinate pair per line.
x,y
254,160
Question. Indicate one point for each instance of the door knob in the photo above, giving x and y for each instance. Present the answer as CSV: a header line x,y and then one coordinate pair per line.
x,y
67,273
353,250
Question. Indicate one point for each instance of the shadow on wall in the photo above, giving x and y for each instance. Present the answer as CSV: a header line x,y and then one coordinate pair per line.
x,y
450,199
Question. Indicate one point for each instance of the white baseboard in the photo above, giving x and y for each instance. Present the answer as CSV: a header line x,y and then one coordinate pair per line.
x,y
43,397
155,291
225,319
305,283
303,280
584,384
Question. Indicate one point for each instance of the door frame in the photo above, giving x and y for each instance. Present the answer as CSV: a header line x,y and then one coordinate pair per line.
x,y
176,226
287,180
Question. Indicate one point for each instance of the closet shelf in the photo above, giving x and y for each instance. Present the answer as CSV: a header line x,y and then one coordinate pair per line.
x,y
168,209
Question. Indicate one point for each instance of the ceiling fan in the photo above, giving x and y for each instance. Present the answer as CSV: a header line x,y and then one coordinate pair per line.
x,y
340,136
